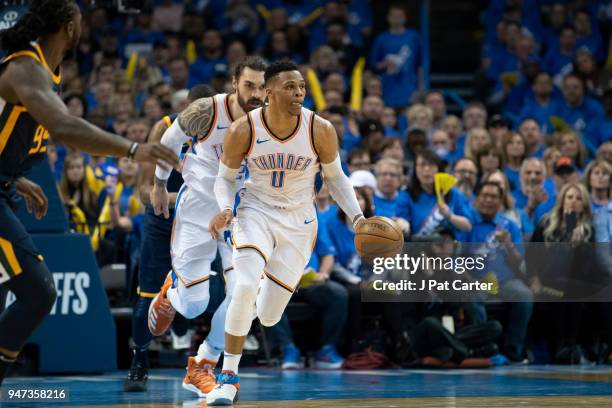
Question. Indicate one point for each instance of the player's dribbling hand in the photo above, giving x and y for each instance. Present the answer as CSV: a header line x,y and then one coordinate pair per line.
x,y
220,221
159,200
35,199
157,153
358,222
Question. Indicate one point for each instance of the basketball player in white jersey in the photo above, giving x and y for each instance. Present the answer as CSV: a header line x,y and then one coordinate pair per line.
x,y
284,146
193,248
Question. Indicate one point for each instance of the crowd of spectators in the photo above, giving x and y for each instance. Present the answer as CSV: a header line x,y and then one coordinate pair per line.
x,y
532,155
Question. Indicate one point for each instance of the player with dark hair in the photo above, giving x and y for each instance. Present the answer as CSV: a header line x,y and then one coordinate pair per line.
x,y
191,287
30,111
155,259
284,146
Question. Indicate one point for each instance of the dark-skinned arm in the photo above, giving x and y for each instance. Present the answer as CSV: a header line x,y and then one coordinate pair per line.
x,y
32,86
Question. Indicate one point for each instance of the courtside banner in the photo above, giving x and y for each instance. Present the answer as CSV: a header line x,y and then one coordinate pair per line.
x,y
79,333
452,271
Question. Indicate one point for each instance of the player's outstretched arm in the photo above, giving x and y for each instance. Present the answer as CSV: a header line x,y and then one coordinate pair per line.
x,y
237,143
193,122
32,86
340,188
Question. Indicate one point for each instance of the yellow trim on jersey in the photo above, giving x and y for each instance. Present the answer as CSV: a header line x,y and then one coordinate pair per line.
x,y
167,120
56,78
10,125
24,53
7,249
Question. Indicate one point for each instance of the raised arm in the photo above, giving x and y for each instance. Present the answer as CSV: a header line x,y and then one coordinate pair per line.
x,y
236,145
194,121
340,188
32,86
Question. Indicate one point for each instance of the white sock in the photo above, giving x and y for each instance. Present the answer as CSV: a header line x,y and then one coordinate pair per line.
x,y
207,352
231,361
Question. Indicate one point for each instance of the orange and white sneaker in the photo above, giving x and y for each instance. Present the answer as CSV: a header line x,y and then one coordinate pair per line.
x,y
161,312
227,390
200,378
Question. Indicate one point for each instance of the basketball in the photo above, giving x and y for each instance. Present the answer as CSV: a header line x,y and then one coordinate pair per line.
x,y
378,237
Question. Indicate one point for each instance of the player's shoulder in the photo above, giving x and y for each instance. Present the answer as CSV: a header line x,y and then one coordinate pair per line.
x,y
322,128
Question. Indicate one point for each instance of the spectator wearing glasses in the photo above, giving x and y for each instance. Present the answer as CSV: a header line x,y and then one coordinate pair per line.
x,y
500,240
389,200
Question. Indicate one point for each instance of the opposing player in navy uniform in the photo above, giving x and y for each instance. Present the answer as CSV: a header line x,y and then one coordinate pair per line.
x,y
31,111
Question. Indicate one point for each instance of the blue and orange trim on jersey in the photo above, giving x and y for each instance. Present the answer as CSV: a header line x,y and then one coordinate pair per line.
x,y
252,138
280,283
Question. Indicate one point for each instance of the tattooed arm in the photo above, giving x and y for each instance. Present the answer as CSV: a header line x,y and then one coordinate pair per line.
x,y
194,122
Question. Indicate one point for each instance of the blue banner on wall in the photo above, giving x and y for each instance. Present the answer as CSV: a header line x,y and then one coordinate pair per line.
x,y
79,333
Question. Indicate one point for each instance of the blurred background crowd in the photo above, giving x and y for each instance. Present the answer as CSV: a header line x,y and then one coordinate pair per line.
x,y
530,144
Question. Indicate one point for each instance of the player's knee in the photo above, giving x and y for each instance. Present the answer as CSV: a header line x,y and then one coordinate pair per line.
x,y
268,317
42,297
244,293
194,301
248,266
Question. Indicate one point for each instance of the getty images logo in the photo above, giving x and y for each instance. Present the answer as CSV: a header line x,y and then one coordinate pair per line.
x,y
71,294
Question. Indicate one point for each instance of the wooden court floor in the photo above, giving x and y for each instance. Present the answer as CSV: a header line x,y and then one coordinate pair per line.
x,y
529,386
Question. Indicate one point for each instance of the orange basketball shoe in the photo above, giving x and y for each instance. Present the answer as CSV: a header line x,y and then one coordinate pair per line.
x,y
161,312
200,378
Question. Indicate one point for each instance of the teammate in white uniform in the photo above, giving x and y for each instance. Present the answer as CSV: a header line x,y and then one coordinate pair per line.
x,y
284,146
193,248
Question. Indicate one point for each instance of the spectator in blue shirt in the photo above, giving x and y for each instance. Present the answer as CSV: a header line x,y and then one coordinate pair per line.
x,y
396,54
557,18
500,240
434,100
536,194
424,212
559,59
587,37
454,128
516,215
178,70
514,151
212,53
534,140
540,104
580,112
443,146
389,200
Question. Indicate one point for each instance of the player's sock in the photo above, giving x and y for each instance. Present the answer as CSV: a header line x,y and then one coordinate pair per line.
x,y
208,352
141,356
231,361
5,365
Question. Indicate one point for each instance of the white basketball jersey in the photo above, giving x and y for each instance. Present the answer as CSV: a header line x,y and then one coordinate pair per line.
x,y
201,163
281,171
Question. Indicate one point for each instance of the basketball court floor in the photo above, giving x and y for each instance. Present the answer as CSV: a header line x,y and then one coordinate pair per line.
x,y
516,386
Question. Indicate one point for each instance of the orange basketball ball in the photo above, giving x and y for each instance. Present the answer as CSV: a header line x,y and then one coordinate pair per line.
x,y
378,237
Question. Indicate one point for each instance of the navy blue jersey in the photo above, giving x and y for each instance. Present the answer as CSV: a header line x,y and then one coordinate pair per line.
x,y
23,141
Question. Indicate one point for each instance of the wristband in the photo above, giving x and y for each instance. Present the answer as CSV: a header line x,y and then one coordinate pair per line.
x,y
132,150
